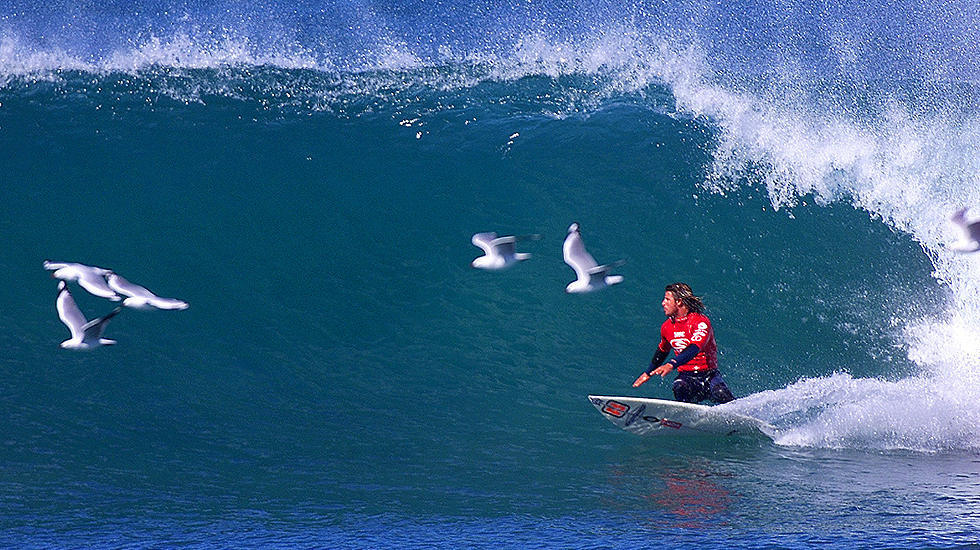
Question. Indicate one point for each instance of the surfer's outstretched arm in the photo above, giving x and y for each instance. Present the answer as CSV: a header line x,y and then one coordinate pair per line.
x,y
679,359
658,359
683,357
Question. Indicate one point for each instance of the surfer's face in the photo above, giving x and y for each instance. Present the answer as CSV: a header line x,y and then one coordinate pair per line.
x,y
670,304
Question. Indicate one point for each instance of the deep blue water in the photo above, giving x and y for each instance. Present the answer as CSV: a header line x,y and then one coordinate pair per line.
x,y
308,176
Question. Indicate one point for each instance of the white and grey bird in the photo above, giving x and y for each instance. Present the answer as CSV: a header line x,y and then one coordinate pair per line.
x,y
499,252
85,334
90,278
591,275
969,232
139,297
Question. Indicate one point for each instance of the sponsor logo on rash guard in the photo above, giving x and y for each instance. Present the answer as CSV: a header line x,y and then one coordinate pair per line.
x,y
679,344
700,333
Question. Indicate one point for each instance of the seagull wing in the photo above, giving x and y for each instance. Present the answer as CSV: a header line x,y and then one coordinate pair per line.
x,y
92,281
54,266
122,286
484,241
93,329
505,246
597,275
69,313
576,256
599,272
117,283
167,303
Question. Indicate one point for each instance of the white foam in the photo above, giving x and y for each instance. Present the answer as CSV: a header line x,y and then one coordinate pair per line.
x,y
179,50
839,411
18,60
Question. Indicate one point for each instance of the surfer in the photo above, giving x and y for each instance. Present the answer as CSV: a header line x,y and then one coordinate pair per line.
x,y
688,332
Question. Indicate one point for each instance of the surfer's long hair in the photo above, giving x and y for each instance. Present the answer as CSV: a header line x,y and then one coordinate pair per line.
x,y
683,292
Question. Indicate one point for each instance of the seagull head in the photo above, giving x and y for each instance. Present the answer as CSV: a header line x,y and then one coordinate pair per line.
x,y
573,228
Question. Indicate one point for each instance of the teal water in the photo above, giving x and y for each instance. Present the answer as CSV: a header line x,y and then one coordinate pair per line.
x,y
344,378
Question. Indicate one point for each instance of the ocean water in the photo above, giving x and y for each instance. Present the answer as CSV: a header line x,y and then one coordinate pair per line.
x,y
307,175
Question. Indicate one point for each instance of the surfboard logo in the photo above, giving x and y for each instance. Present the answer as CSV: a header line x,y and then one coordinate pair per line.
x,y
662,421
634,415
670,424
615,408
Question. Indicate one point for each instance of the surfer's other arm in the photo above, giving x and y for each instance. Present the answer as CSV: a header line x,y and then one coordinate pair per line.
x,y
657,365
658,359
679,359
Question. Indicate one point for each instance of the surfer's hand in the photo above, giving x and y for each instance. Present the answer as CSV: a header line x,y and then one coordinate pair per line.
x,y
640,380
664,370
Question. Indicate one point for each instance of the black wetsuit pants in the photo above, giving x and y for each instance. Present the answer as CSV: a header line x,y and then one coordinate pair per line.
x,y
694,387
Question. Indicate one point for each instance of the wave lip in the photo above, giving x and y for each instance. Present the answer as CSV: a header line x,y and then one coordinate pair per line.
x,y
178,51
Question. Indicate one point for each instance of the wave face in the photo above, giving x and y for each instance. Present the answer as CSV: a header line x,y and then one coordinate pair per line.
x,y
307,175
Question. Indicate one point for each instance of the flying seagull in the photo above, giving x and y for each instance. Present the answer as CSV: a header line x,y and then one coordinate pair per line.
x,y
969,232
139,297
85,335
91,278
591,275
499,252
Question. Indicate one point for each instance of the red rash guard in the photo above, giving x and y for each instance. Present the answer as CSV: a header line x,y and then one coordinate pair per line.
x,y
677,334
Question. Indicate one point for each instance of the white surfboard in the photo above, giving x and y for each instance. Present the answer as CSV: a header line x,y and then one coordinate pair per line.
x,y
644,416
